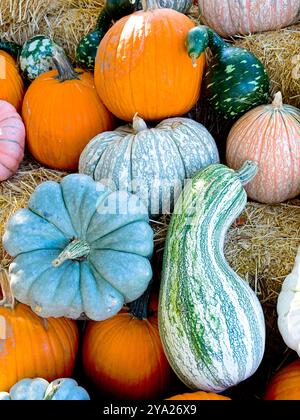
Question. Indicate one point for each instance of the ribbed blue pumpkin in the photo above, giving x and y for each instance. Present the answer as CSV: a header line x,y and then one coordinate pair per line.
x,y
80,249
154,162
40,389
211,322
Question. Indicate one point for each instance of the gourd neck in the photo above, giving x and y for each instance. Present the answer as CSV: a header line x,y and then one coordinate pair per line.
x,y
216,43
76,250
8,300
247,172
139,308
278,101
150,5
138,124
64,67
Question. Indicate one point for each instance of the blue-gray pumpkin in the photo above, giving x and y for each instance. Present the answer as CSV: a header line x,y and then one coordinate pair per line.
x,y
80,249
39,389
182,6
153,163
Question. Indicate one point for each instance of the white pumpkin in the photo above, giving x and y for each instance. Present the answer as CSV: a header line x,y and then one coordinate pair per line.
x,y
288,308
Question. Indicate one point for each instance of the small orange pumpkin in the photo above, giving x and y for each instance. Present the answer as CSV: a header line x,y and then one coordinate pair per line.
x,y
286,384
31,346
11,83
200,395
142,65
123,356
62,113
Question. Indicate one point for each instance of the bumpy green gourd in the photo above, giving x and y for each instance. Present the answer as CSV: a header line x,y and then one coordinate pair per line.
x,y
36,56
40,390
235,81
80,249
11,48
211,322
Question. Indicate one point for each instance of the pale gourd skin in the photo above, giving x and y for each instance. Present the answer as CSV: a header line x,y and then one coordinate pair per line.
x,y
231,17
39,389
182,6
211,322
288,308
12,140
116,239
174,151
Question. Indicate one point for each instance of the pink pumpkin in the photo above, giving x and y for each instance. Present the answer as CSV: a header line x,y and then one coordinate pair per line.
x,y
269,135
232,17
12,140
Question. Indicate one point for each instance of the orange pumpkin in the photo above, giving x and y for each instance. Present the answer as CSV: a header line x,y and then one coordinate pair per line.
x,y
142,66
199,396
11,83
62,113
31,346
286,384
269,135
123,356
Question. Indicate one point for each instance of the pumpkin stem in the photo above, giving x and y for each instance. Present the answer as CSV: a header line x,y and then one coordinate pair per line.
x,y
139,308
138,124
8,300
77,250
247,172
52,390
64,67
278,101
150,5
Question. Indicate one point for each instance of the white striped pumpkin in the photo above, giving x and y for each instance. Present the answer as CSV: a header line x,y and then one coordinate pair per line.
x,y
288,308
211,322
12,140
149,161
232,17
269,135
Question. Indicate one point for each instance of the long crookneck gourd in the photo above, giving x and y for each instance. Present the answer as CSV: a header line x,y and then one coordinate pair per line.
x,y
211,322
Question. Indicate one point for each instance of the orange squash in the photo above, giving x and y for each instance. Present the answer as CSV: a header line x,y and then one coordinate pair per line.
x,y
142,65
123,356
62,113
286,384
31,346
269,135
200,395
11,83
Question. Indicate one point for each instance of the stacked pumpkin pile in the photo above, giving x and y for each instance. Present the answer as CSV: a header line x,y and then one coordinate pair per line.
x,y
83,248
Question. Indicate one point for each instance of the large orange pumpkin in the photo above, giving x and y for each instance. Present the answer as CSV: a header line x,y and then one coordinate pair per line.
x,y
269,135
286,384
11,83
62,113
31,346
142,66
123,356
200,395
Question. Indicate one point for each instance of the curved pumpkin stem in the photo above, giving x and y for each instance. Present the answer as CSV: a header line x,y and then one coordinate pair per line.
x,y
248,172
139,308
8,300
138,124
64,67
77,250
150,5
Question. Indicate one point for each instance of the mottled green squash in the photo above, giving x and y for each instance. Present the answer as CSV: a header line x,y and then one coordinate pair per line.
x,y
36,56
11,48
235,81
87,49
211,322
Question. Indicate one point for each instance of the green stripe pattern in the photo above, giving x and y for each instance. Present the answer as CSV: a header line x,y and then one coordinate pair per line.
x,y
211,322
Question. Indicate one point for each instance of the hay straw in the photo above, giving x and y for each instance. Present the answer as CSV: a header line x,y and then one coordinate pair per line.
x,y
280,53
65,21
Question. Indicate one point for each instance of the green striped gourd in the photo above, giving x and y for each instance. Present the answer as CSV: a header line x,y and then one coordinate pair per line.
x,y
211,322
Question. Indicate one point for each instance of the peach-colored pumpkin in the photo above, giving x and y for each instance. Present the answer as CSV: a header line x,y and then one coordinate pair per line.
x,y
269,135
231,17
12,140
